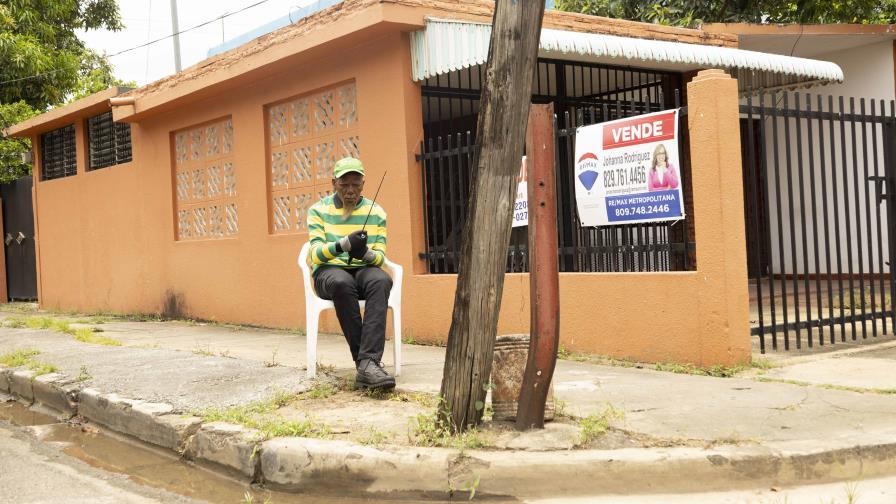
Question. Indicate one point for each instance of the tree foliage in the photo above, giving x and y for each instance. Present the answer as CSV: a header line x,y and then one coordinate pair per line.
x,y
692,13
43,63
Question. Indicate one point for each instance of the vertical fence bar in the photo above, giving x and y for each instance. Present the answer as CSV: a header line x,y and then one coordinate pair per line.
x,y
834,193
763,160
868,232
776,114
424,163
451,217
793,243
801,176
754,185
810,139
878,213
846,219
824,209
858,212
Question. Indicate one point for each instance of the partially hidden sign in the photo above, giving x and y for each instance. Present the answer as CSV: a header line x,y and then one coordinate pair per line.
x,y
627,171
521,202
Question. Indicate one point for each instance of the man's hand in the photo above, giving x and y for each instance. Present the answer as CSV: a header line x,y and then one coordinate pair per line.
x,y
355,242
358,241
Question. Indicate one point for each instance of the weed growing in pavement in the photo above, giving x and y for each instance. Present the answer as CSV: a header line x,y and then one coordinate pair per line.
x,y
432,429
852,492
325,368
852,300
762,363
273,362
374,437
253,416
93,319
19,307
714,371
25,358
846,388
87,335
82,334
14,322
421,398
207,351
84,375
319,390
596,424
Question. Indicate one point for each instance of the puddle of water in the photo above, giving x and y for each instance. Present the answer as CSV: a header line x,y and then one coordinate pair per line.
x,y
19,415
154,467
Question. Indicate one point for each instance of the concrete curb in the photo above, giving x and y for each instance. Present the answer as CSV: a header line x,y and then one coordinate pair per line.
x,y
303,464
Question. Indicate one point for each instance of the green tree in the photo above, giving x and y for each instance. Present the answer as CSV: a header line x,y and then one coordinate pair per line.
x,y
692,13
43,63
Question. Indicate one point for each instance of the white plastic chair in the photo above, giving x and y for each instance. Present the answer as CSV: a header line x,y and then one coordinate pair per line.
x,y
315,305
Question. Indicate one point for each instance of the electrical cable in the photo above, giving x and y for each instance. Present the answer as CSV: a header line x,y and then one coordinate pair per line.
x,y
166,37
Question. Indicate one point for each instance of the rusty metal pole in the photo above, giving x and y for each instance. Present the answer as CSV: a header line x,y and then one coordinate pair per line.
x,y
544,276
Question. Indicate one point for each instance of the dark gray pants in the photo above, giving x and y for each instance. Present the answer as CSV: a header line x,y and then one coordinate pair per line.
x,y
345,286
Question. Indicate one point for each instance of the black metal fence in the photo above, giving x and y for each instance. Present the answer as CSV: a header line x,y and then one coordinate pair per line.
x,y
583,94
817,172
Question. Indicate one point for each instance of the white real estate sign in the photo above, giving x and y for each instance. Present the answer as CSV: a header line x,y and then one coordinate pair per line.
x,y
627,171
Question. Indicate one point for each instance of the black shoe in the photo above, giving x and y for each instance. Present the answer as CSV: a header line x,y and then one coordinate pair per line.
x,y
371,375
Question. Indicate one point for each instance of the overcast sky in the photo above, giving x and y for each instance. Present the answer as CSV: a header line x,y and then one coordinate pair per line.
x,y
147,20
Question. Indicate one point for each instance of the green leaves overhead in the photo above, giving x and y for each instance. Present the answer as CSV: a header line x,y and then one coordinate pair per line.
x,y
692,13
44,64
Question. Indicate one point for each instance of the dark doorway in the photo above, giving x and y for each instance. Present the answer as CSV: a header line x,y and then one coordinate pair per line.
x,y
18,240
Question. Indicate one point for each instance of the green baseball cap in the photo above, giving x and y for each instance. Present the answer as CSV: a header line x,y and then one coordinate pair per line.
x,y
348,165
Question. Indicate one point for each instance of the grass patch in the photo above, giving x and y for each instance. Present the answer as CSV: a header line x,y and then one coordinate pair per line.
x,y
596,424
762,363
565,354
319,390
852,300
256,416
25,358
432,429
374,437
18,358
846,388
421,398
87,335
19,307
207,351
714,371
82,334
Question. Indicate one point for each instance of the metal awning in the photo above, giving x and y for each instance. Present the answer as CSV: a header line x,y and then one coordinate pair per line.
x,y
444,46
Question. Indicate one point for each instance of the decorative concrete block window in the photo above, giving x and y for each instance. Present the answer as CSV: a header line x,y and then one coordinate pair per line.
x,y
306,136
108,142
205,181
57,153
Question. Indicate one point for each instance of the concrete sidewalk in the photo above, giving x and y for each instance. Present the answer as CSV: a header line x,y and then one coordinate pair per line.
x,y
789,424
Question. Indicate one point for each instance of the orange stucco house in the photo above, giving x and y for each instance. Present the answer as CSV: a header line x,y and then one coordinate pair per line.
x,y
193,203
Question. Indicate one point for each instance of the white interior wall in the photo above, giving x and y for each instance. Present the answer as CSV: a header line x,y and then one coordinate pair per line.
x,y
869,74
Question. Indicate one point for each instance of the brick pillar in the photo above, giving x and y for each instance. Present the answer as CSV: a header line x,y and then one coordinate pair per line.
x,y
723,309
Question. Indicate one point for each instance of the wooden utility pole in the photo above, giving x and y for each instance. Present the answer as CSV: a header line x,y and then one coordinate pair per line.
x,y
500,133
544,276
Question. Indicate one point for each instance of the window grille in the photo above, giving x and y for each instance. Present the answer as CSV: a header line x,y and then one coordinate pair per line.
x,y
109,142
57,153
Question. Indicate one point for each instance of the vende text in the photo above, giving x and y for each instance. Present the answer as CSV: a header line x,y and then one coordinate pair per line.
x,y
639,130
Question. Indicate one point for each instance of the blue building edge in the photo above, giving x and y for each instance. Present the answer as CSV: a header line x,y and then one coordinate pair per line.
x,y
290,18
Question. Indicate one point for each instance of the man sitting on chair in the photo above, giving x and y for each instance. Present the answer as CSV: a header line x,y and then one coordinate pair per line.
x,y
346,269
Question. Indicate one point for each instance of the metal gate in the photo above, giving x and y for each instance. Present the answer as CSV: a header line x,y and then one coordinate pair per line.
x,y
583,94
18,239
818,188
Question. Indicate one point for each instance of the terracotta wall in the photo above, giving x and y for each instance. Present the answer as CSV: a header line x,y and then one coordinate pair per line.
x,y
107,238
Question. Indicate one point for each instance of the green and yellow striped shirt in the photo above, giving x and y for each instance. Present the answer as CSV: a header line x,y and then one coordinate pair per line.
x,y
326,226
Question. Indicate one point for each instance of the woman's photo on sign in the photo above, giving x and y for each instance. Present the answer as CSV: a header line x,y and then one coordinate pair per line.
x,y
662,174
